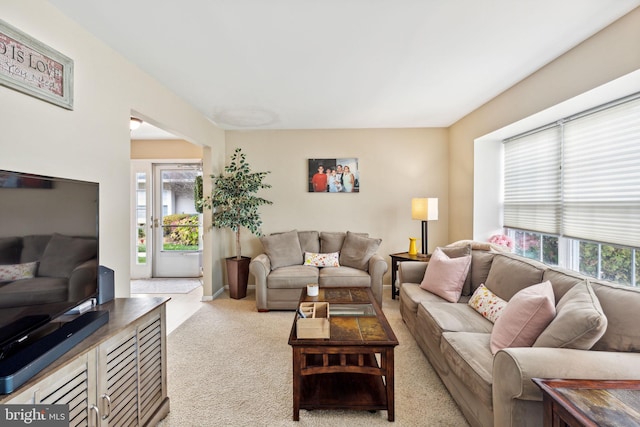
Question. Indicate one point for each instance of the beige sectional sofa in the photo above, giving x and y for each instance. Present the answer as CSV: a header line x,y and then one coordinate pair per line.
x,y
294,259
594,335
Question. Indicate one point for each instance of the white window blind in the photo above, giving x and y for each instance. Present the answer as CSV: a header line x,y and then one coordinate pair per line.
x,y
532,199
601,176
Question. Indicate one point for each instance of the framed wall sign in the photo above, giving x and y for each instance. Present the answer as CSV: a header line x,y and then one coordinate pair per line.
x,y
334,175
31,67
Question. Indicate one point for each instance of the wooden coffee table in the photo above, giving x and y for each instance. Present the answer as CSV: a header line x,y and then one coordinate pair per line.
x,y
353,369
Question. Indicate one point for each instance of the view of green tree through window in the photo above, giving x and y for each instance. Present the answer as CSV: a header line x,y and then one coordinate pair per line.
x,y
598,260
608,262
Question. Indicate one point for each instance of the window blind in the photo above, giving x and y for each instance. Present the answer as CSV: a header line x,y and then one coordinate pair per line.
x,y
532,199
601,176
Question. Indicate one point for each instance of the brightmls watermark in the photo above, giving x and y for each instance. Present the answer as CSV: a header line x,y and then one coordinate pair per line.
x,y
34,415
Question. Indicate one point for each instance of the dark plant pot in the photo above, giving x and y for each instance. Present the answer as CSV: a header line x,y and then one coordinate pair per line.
x,y
238,276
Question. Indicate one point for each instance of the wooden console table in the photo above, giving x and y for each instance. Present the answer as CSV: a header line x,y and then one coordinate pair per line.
x,y
116,376
400,257
592,403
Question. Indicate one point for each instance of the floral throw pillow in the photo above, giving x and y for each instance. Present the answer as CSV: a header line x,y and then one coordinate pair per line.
x,y
17,271
322,260
487,303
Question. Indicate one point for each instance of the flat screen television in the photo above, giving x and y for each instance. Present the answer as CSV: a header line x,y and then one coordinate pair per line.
x,y
48,254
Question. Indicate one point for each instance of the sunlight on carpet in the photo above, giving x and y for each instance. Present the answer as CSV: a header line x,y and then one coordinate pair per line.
x,y
164,285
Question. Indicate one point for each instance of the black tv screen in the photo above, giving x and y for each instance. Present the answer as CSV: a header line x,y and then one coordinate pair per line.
x,y
48,251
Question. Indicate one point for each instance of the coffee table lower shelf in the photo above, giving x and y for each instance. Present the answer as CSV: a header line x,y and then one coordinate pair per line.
x,y
343,391
343,381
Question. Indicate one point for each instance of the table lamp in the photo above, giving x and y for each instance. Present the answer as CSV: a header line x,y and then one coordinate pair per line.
x,y
424,209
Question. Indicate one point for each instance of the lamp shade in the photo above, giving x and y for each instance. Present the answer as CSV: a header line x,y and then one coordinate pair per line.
x,y
425,209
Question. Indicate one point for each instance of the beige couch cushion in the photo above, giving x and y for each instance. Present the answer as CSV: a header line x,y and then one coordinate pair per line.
x,y
411,296
508,275
331,241
480,265
283,249
357,250
579,320
292,277
309,241
437,318
562,280
470,359
622,307
343,276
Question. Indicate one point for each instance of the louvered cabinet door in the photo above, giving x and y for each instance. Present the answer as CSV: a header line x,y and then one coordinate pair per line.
x,y
73,384
152,364
132,373
118,380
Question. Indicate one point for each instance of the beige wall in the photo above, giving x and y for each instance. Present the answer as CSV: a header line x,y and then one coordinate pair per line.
x,y
164,149
92,142
608,55
395,165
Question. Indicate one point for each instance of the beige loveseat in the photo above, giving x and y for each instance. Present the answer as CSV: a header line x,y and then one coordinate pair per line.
x,y
594,335
281,272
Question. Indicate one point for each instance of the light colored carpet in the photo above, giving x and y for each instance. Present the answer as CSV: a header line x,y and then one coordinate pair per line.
x,y
229,365
164,285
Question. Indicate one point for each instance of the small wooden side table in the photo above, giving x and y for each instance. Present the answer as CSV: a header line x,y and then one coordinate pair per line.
x,y
593,403
399,257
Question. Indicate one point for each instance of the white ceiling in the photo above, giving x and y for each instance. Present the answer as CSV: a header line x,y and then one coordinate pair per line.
x,y
313,64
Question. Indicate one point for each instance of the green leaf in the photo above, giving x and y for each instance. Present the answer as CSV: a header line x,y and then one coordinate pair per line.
x,y
233,201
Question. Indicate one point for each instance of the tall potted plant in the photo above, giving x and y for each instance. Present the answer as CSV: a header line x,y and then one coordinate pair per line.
x,y
234,204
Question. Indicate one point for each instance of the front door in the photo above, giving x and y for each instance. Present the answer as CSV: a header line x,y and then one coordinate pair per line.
x,y
168,230
177,242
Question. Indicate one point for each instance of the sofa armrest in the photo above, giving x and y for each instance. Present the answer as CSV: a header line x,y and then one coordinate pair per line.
x,y
260,267
411,271
377,267
513,369
82,281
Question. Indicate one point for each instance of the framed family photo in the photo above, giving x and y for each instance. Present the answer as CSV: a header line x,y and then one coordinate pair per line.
x,y
336,175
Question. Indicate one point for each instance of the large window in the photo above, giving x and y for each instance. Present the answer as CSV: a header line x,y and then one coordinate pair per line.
x,y
572,192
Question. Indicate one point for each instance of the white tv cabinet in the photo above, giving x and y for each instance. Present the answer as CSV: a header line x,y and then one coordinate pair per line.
x,y
115,377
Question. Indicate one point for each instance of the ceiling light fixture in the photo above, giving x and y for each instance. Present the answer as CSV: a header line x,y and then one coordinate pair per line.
x,y
134,123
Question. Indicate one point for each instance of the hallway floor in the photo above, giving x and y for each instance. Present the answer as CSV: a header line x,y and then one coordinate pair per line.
x,y
180,307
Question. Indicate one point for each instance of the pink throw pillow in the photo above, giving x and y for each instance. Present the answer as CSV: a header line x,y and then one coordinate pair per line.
x,y
524,318
445,276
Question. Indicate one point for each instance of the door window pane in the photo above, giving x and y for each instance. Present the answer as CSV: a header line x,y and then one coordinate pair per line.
x,y
180,221
141,218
